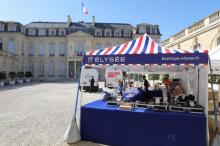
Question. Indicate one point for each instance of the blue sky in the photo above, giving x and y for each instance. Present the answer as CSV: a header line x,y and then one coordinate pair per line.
x,y
171,15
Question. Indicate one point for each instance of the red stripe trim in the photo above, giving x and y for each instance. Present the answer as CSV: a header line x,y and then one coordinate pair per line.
x,y
139,44
91,52
126,44
152,47
167,51
185,51
106,52
206,51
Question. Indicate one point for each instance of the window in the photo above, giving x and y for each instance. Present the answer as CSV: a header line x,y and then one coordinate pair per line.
x,y
108,33
41,69
12,27
31,49
51,69
31,32
127,34
52,49
142,29
2,27
62,68
11,46
41,49
79,47
197,46
98,46
98,33
52,33
218,41
62,33
118,33
153,30
42,32
62,49
1,47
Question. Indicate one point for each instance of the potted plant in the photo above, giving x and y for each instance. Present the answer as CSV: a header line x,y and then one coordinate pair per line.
x,y
28,76
12,76
2,78
20,76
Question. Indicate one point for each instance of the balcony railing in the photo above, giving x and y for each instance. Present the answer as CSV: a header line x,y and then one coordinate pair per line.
x,y
179,35
196,26
164,43
214,17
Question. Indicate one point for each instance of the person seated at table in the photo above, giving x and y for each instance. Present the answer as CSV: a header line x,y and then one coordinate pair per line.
x,y
166,82
178,90
131,84
121,86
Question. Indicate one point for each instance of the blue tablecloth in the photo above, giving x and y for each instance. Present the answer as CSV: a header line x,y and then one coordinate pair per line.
x,y
111,126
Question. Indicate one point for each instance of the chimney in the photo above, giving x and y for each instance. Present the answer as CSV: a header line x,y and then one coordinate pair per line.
x,y
69,20
93,20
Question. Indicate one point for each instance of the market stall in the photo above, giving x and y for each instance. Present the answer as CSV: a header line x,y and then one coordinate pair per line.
x,y
150,124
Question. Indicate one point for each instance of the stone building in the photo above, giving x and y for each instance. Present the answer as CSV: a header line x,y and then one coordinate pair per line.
x,y
204,34
52,50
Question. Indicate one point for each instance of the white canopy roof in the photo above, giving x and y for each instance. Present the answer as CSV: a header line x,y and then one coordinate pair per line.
x,y
215,59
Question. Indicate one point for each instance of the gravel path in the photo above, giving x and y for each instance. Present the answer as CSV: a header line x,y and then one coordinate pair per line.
x,y
38,114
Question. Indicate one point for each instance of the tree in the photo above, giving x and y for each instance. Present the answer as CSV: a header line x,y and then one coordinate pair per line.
x,y
153,77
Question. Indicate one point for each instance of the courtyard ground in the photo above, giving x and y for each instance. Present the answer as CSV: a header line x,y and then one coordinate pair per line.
x,y
38,114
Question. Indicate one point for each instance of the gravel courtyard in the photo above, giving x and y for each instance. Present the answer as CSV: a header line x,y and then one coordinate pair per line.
x,y
38,114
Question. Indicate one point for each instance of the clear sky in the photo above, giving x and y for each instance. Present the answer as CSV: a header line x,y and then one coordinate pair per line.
x,y
171,15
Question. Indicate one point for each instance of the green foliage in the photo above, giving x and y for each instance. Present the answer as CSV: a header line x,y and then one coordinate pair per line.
x,y
153,77
215,79
163,76
2,76
12,75
28,74
20,74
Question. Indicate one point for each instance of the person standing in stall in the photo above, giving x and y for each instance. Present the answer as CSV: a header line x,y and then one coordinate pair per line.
x,y
92,82
146,84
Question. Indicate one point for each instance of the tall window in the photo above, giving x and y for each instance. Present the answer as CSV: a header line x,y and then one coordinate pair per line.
x,y
41,69
52,49
153,30
79,47
1,47
62,68
62,49
218,41
62,33
118,33
51,68
108,33
98,46
42,32
52,33
31,49
2,28
98,32
41,49
142,29
11,46
127,34
31,32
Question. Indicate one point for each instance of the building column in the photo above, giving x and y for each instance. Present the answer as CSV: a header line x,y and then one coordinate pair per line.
x,y
74,69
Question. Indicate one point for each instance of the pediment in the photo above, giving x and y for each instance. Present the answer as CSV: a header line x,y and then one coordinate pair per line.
x,y
80,34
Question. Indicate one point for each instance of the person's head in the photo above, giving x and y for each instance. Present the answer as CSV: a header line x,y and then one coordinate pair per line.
x,y
144,77
92,77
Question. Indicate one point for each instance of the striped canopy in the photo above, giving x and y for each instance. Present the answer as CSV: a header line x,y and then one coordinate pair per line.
x,y
144,50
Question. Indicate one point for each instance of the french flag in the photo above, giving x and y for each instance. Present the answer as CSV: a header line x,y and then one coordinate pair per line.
x,y
84,10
